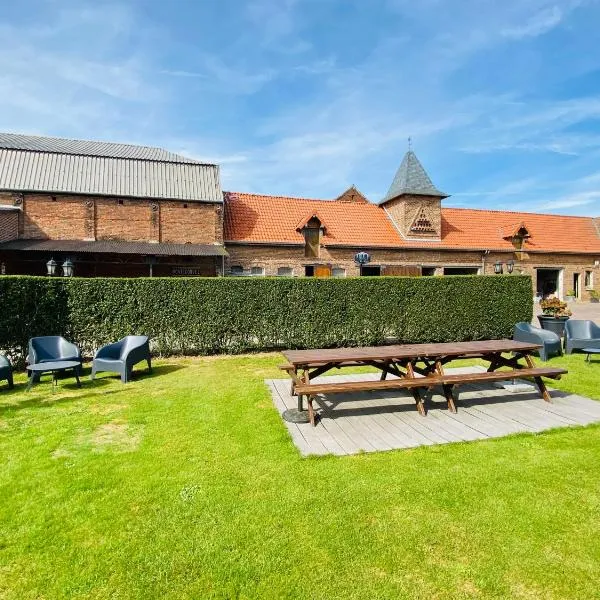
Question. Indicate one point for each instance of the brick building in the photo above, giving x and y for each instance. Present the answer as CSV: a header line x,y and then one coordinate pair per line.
x,y
111,209
122,210
408,233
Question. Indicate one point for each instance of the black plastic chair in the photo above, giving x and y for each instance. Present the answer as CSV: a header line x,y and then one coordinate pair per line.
x,y
525,332
6,371
121,356
51,348
581,334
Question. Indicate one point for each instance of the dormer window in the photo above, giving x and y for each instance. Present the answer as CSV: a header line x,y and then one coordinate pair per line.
x,y
312,228
517,235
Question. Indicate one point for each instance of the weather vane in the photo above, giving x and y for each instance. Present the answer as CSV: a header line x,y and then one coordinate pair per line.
x,y
409,143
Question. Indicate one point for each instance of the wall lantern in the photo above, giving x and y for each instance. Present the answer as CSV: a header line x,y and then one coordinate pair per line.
x,y
362,258
67,268
498,268
51,267
510,265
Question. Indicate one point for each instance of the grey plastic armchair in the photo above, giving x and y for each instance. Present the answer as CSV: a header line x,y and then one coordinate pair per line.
x,y
524,332
6,371
581,334
121,356
50,348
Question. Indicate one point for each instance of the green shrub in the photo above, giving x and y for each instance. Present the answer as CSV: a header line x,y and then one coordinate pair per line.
x,y
231,315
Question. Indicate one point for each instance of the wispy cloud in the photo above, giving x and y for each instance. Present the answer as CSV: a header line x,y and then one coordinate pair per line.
x,y
539,24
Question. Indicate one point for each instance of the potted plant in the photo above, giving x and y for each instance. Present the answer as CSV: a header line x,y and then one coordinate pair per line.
x,y
594,296
554,315
571,296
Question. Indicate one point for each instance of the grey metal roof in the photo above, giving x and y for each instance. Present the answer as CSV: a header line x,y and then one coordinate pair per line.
x,y
115,247
35,143
411,178
148,174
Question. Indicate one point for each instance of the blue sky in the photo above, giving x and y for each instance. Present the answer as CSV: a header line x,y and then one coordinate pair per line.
x,y
306,97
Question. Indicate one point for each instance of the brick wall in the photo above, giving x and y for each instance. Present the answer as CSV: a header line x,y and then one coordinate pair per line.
x,y
270,258
405,209
273,257
62,217
191,222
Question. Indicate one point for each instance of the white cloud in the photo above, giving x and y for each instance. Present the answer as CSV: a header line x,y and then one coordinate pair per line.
x,y
539,24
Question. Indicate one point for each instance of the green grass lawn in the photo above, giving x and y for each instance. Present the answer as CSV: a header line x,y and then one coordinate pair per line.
x,y
185,484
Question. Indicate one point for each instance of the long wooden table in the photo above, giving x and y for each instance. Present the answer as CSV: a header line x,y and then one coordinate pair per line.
x,y
415,366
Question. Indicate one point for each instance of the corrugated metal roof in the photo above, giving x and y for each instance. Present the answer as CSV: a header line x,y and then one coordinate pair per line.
x,y
27,171
115,247
411,178
35,143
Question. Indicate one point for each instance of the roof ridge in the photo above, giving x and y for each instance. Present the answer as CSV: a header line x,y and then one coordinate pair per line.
x,y
514,212
169,156
324,200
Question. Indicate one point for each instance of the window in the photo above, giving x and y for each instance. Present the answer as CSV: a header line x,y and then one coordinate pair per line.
x,y
309,271
257,271
461,270
589,280
338,272
237,270
285,272
370,271
428,271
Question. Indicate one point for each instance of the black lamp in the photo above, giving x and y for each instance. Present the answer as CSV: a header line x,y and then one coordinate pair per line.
x,y
498,268
51,267
67,268
510,265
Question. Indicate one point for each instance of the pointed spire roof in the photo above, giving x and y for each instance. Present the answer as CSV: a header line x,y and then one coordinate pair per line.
x,y
411,178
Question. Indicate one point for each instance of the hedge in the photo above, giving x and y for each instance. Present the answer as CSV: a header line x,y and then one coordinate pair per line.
x,y
231,315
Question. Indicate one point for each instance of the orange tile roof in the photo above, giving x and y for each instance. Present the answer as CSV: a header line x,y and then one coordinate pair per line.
x,y
253,218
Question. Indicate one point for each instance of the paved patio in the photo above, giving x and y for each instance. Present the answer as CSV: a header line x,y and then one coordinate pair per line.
x,y
375,421
580,310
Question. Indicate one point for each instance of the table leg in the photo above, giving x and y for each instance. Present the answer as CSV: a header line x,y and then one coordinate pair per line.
x,y
538,380
30,381
415,392
54,382
449,397
299,415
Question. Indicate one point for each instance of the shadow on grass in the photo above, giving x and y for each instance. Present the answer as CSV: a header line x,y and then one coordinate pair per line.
x,y
140,374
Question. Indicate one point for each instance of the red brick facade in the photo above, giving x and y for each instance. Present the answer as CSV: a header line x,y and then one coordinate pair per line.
x,y
68,217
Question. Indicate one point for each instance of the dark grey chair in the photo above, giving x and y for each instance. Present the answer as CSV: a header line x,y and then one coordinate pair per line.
x,y
6,371
581,334
50,348
525,332
122,355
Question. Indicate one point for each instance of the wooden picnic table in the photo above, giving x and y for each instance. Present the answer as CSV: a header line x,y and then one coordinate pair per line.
x,y
414,367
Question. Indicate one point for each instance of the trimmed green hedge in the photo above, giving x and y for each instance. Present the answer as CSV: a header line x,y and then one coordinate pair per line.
x,y
217,315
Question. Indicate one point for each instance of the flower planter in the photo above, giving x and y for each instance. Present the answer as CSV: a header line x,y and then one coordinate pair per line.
x,y
554,324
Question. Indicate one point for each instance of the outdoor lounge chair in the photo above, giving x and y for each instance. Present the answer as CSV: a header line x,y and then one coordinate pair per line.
x,y
52,348
524,332
6,371
122,355
581,334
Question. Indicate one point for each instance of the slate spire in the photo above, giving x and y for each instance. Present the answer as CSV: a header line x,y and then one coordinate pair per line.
x,y
411,178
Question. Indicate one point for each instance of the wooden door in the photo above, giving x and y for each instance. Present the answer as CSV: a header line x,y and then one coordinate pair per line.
x,y
322,271
402,270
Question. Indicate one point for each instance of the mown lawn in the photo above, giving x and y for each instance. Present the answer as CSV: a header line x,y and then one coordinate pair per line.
x,y
184,484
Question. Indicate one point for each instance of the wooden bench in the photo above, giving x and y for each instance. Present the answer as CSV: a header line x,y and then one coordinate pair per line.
x,y
446,381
